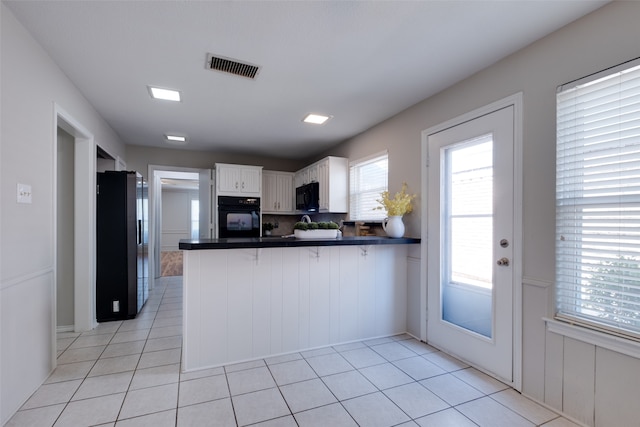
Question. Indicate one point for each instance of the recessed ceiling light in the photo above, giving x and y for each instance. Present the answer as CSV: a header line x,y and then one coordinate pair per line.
x,y
316,119
176,139
166,94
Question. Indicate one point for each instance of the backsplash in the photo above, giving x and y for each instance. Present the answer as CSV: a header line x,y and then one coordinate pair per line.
x,y
284,224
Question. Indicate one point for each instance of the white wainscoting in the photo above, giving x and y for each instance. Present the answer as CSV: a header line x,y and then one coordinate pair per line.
x,y
589,376
243,304
27,331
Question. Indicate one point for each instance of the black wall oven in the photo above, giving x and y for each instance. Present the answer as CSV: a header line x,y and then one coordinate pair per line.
x,y
238,216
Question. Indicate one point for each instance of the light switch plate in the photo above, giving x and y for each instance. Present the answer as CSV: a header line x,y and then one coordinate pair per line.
x,y
24,193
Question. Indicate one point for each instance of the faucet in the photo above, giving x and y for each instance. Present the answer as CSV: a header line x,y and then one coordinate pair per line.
x,y
305,218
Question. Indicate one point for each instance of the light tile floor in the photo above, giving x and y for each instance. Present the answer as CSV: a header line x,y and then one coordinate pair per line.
x,y
128,374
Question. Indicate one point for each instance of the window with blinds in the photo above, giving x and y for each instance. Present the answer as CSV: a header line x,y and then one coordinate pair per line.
x,y
367,179
598,201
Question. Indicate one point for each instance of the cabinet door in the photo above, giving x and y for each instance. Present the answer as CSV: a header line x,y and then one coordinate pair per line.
x,y
269,192
302,177
323,180
238,179
285,193
313,173
251,181
228,179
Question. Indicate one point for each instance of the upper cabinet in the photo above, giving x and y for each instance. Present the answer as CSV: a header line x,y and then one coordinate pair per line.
x,y
332,173
238,180
306,175
277,192
333,176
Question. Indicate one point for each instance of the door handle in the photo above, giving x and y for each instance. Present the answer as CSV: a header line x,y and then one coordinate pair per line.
x,y
503,262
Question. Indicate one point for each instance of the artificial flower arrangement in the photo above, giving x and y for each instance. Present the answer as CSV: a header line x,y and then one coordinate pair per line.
x,y
399,205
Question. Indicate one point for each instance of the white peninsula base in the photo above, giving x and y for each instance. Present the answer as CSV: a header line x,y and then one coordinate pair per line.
x,y
244,304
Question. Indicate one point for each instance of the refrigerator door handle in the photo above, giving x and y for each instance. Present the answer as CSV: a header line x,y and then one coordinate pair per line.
x,y
139,231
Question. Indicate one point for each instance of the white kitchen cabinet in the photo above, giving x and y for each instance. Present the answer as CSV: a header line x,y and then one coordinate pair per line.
x,y
306,175
301,178
313,173
238,180
244,304
332,174
277,192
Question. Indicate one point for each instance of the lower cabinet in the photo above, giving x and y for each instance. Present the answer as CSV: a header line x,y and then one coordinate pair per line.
x,y
243,304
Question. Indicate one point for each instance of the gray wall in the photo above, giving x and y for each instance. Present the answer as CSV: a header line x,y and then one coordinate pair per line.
x,y
140,157
65,231
607,37
32,85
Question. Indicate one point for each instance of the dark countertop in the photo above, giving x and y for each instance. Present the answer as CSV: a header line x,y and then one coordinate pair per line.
x,y
287,242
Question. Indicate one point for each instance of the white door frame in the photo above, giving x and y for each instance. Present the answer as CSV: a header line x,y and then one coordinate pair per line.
x,y
516,101
155,204
84,221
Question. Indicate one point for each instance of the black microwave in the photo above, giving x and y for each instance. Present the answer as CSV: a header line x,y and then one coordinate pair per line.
x,y
308,197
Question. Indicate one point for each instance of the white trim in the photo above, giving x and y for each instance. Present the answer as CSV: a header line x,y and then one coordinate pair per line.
x,y
515,100
369,157
532,281
590,336
121,165
607,72
154,232
85,220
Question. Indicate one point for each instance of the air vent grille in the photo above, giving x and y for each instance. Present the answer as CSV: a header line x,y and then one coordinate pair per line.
x,y
231,66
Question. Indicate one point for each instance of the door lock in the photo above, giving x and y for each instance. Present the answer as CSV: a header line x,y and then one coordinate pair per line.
x,y
504,262
504,243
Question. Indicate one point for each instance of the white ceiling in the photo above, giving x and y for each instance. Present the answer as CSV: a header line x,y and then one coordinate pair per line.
x,y
359,61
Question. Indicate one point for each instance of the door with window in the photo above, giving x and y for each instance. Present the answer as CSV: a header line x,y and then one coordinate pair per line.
x,y
470,223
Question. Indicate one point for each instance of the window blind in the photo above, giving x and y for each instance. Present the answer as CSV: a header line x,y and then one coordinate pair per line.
x,y
598,202
367,178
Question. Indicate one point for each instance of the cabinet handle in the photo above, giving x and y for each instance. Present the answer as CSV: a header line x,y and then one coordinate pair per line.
x,y
243,185
236,185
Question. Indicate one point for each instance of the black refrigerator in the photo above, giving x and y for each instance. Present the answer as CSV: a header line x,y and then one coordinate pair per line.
x,y
122,250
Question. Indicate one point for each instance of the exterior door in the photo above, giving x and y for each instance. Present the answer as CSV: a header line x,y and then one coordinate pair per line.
x,y
470,223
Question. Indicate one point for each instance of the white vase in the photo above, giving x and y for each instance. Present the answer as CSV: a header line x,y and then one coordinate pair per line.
x,y
393,226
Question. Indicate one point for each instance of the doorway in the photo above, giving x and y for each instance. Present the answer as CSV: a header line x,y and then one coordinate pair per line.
x,y
74,195
174,194
473,221
65,219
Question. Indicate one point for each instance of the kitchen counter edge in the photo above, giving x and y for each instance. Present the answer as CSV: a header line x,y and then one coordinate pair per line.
x,y
288,242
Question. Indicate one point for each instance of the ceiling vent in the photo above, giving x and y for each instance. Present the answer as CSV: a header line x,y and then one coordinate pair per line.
x,y
231,66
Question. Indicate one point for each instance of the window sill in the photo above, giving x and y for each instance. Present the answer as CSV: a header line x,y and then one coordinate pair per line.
x,y
625,346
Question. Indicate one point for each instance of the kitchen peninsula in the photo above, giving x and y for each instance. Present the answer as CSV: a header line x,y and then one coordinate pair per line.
x,y
249,298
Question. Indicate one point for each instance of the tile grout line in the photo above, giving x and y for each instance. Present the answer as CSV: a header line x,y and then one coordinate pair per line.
x,y
139,359
448,369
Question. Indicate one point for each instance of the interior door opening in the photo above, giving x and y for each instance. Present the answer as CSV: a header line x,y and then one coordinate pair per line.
x,y
79,154
176,210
